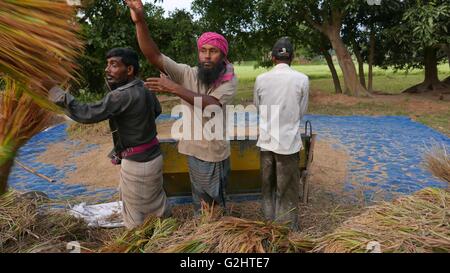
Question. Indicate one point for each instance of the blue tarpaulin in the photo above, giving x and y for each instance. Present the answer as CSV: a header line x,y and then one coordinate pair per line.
x,y
386,154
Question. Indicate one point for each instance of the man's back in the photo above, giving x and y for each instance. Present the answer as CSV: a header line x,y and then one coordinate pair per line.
x,y
288,89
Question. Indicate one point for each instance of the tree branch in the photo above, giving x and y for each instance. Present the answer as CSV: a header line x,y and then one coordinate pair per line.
x,y
314,24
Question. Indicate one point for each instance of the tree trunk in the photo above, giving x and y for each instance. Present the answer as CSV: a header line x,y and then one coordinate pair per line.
x,y
371,60
446,49
431,70
448,57
447,81
359,58
353,85
5,169
431,81
336,81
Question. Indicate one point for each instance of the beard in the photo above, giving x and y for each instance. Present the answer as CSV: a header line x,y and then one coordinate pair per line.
x,y
209,75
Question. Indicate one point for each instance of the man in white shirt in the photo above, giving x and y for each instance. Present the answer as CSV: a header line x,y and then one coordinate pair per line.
x,y
282,98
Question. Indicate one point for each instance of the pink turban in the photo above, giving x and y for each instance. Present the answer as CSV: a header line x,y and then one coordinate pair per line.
x,y
217,40
214,39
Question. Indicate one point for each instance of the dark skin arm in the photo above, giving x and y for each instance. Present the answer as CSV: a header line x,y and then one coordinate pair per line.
x,y
154,56
165,85
146,43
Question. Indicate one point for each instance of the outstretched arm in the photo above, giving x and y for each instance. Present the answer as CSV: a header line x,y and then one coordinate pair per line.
x,y
146,43
165,85
114,103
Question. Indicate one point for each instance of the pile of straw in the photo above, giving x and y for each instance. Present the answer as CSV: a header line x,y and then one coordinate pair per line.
x,y
437,161
210,233
26,227
417,223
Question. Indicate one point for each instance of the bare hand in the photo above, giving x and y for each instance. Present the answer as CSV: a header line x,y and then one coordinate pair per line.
x,y
163,85
136,9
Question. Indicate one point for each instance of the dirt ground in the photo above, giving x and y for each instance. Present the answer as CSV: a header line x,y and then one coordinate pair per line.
x,y
419,103
93,168
431,109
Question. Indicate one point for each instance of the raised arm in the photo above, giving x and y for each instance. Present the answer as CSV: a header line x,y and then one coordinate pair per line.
x,y
146,43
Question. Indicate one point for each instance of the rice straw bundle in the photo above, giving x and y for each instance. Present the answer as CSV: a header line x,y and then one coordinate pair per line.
x,y
234,235
437,161
417,223
38,40
142,237
298,242
209,233
20,119
215,233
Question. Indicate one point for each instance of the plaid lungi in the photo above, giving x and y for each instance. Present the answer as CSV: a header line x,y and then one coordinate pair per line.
x,y
208,181
141,191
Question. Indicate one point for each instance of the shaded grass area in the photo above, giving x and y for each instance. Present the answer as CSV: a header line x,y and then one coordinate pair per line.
x,y
440,122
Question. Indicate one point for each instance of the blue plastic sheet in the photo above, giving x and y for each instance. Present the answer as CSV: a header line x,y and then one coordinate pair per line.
x,y
386,155
24,181
386,152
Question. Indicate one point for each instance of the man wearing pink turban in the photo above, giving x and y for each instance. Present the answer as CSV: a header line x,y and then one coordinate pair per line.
x,y
213,84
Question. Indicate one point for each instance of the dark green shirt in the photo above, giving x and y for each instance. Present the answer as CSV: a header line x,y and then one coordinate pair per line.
x,y
131,110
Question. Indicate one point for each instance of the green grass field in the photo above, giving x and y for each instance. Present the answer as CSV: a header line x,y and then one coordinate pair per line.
x,y
389,81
